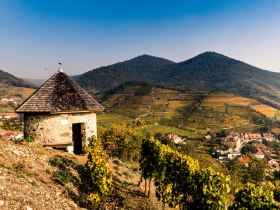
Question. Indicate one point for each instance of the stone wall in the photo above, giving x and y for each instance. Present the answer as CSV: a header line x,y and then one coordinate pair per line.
x,y
56,129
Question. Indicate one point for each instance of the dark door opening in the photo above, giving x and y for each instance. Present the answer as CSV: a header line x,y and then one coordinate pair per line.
x,y
77,138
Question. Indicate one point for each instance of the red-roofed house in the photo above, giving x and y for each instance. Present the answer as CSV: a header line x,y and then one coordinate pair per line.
x,y
2,131
259,145
255,136
5,138
8,115
244,160
268,136
273,165
259,154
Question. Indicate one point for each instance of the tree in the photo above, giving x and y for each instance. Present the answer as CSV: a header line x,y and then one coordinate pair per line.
x,y
255,172
236,171
248,148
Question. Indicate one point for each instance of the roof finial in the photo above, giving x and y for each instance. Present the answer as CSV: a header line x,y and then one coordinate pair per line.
x,y
60,68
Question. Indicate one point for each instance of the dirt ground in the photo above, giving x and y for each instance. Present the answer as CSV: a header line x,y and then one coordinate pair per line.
x,y
32,177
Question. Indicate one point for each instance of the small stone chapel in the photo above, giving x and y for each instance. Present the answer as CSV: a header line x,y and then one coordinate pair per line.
x,y
60,114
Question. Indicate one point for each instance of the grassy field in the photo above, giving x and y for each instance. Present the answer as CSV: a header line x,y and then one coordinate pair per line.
x,y
108,119
168,129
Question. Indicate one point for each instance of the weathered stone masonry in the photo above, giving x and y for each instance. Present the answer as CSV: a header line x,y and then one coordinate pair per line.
x,y
56,129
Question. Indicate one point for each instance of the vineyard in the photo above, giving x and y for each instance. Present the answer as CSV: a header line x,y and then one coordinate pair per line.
x,y
189,113
180,182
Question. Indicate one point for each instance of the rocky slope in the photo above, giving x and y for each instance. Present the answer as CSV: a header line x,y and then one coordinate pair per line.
x,y
32,177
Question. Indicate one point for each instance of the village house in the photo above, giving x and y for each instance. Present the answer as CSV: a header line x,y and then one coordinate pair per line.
x,y
259,154
2,131
254,136
233,154
7,135
60,114
268,136
245,160
7,99
207,137
259,145
273,165
175,138
8,115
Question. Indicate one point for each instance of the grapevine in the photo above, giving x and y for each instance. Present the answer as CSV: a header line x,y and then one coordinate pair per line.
x,y
100,176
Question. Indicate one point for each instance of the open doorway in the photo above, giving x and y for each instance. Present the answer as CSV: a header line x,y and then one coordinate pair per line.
x,y
77,137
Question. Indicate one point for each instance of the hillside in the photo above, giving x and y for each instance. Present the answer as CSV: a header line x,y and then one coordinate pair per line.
x,y
216,72
18,94
188,113
142,68
208,71
11,80
32,177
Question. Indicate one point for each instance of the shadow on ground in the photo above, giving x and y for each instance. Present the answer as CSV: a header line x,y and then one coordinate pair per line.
x,y
74,177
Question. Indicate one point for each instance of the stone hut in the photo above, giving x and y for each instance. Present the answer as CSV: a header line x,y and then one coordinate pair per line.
x,y
60,114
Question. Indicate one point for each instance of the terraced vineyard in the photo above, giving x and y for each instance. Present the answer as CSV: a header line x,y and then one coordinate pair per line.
x,y
188,113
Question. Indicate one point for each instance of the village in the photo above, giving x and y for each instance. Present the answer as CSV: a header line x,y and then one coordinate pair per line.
x,y
233,143
262,145
9,134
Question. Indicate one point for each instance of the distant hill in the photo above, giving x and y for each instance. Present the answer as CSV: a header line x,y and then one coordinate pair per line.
x,y
11,80
36,82
144,68
207,71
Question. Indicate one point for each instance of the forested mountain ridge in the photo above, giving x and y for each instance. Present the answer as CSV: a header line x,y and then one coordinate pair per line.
x,y
142,68
208,71
216,72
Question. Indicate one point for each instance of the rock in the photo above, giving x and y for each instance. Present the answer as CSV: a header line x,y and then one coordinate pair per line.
x,y
16,152
28,208
2,202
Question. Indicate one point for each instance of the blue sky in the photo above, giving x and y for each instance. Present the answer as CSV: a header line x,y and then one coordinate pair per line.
x,y
86,34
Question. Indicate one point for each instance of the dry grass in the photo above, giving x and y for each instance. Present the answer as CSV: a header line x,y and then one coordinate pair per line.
x,y
223,99
26,92
265,110
127,194
175,105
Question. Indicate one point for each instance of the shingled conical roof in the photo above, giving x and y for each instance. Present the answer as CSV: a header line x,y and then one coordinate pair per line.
x,y
60,94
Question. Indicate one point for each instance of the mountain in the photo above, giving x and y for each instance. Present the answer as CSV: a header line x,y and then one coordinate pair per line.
x,y
143,68
208,71
11,80
213,71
